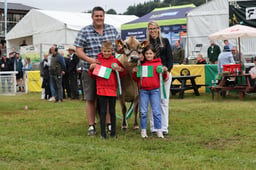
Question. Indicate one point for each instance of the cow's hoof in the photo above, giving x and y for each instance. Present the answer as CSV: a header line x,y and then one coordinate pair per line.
x,y
124,128
136,127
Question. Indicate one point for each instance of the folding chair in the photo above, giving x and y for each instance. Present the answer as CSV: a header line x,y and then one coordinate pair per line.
x,y
197,48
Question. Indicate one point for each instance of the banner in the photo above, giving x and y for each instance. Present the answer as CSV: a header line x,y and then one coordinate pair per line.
x,y
242,12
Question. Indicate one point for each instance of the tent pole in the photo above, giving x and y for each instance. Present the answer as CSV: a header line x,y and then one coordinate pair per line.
x,y
239,52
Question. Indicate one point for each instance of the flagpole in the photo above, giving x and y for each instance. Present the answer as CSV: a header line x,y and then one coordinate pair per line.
x,y
5,18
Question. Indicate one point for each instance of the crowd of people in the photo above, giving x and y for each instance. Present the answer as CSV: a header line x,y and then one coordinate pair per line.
x,y
14,63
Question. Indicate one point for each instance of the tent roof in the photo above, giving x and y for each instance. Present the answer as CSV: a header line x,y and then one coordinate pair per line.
x,y
165,16
45,20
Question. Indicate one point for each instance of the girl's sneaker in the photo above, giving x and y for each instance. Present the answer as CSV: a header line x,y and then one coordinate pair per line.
x,y
160,134
144,134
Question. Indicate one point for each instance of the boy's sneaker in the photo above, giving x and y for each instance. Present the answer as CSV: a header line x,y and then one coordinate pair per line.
x,y
91,130
144,134
109,128
160,134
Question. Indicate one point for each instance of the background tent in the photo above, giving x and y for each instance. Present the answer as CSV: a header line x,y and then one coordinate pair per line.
x,y
55,27
210,18
171,19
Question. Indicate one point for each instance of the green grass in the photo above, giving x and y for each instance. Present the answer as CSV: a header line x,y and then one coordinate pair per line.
x,y
204,134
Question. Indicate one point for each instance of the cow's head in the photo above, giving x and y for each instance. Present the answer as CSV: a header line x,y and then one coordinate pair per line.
x,y
132,48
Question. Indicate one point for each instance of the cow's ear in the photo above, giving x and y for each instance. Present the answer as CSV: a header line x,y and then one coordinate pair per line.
x,y
144,44
119,46
119,43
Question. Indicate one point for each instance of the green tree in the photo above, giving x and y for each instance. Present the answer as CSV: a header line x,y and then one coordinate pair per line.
x,y
111,11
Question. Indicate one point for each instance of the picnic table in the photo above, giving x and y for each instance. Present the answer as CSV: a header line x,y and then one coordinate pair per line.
x,y
184,85
239,82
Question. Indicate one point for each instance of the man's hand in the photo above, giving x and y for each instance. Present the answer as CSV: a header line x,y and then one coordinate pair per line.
x,y
92,66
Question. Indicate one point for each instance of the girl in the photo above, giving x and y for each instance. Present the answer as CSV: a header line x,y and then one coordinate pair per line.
x,y
149,91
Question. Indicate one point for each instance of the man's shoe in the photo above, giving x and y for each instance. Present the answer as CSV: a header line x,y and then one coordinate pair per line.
x,y
52,99
160,134
153,132
91,131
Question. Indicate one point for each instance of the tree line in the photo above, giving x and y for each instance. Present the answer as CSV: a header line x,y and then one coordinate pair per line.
x,y
142,9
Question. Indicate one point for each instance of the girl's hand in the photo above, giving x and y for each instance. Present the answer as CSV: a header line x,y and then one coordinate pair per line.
x,y
135,69
167,77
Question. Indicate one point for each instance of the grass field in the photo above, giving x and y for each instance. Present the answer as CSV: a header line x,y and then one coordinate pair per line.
x,y
204,134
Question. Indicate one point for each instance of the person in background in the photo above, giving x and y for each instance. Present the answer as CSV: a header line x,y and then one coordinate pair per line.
x,y
236,56
227,43
23,43
18,66
150,91
225,57
65,78
178,53
73,75
44,67
107,88
213,52
88,44
5,65
200,59
253,71
28,65
164,52
57,69
42,76
52,98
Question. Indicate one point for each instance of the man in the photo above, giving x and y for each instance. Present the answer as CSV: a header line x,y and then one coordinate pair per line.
x,y
65,78
5,65
88,45
235,55
74,60
57,68
226,42
225,57
213,53
178,53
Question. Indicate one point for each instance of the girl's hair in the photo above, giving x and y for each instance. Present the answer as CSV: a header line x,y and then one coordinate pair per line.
x,y
28,59
154,23
149,47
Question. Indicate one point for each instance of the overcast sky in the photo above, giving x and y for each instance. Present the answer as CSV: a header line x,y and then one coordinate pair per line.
x,y
119,6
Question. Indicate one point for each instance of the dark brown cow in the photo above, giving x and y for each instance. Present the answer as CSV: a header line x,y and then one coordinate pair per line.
x,y
131,49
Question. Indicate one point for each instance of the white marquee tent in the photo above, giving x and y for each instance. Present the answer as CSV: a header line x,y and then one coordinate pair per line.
x,y
55,27
208,19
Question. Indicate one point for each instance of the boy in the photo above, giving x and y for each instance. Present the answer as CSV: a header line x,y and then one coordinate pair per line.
x,y
107,87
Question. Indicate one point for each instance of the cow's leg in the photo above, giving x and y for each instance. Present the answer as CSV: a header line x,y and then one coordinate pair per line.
x,y
124,109
135,111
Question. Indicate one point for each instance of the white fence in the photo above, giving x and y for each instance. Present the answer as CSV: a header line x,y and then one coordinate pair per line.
x,y
8,82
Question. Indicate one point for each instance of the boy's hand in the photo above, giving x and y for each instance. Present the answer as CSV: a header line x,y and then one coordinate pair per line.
x,y
165,69
117,67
